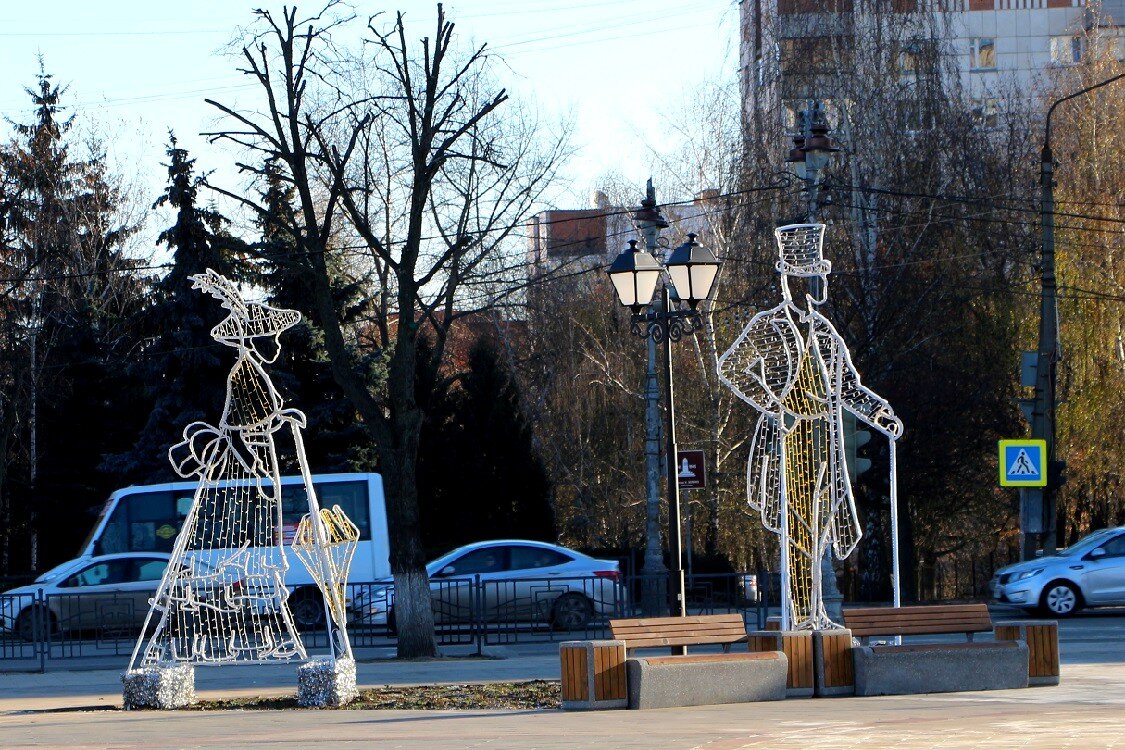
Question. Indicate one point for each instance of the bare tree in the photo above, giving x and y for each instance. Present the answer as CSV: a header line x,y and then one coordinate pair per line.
x,y
410,163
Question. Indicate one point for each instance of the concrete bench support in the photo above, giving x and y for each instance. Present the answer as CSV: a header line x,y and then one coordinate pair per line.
x,y
593,675
797,645
1042,639
940,668
832,660
706,679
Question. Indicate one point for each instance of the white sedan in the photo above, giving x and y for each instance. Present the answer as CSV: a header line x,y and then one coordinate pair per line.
x,y
519,581
100,592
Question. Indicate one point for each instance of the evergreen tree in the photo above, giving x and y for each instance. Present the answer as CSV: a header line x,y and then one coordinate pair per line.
x,y
184,369
66,331
334,439
479,475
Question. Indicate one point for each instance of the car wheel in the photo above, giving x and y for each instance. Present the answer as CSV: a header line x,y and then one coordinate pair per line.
x,y
571,612
1060,599
307,606
35,622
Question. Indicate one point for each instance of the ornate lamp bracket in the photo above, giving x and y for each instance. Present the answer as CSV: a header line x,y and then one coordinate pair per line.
x,y
666,324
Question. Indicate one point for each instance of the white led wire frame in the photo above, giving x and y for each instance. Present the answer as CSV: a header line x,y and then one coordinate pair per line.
x,y
223,598
794,368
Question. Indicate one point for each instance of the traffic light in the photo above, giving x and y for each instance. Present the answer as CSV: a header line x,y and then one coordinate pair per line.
x,y
854,439
1056,473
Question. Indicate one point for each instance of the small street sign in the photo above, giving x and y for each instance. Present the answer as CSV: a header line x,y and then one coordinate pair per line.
x,y
691,470
1023,463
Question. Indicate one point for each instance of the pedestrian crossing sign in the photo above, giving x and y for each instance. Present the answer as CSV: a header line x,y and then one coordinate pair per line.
x,y
1023,463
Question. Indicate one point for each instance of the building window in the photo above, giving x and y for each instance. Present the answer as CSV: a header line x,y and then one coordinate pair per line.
x,y
1067,50
982,53
917,56
987,113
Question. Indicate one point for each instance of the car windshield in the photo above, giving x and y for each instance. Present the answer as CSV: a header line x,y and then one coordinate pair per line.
x,y
445,559
57,571
1086,543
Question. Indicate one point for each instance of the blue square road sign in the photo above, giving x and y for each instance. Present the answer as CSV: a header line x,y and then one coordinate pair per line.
x,y
1023,463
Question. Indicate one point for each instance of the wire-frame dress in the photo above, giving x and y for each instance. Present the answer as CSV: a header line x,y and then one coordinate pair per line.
x,y
223,596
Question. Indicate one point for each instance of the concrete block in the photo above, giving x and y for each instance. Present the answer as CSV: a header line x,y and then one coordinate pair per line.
x,y
832,660
165,686
324,682
593,675
706,679
909,670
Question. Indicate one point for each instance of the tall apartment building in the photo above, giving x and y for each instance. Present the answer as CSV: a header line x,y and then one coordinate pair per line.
x,y
997,46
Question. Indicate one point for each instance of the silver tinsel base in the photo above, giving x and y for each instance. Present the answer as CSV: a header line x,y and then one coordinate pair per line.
x,y
324,682
164,687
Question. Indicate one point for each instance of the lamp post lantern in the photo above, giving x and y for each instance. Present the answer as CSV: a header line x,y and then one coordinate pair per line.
x,y
691,272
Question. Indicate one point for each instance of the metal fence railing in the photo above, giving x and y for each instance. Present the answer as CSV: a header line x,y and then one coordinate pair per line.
x,y
476,611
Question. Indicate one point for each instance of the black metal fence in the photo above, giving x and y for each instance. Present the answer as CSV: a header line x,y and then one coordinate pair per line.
x,y
474,612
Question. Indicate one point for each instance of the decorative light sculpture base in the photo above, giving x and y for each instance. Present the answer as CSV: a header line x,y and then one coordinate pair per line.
x,y
161,687
324,682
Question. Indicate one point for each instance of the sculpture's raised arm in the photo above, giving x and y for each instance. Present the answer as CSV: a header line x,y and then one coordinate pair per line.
x,y
857,398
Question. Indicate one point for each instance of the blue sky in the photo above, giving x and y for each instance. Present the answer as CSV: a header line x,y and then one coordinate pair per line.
x,y
136,68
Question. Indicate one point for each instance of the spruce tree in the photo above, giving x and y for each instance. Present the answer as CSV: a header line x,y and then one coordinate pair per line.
x,y
67,332
479,474
183,368
334,439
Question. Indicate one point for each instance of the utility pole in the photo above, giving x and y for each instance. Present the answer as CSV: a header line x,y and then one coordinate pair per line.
x,y
1043,414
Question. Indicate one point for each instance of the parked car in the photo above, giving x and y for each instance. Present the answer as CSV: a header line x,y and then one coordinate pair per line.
x,y
84,594
1089,573
520,581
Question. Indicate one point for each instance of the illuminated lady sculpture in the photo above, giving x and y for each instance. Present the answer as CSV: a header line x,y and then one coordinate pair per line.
x,y
791,365
223,595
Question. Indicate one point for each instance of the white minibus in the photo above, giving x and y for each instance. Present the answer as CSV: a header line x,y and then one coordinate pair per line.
x,y
148,518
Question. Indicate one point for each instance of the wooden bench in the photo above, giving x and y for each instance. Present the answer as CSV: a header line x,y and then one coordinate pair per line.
x,y
933,667
684,679
679,632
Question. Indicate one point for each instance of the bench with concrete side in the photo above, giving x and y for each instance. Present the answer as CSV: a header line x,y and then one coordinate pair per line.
x,y
937,667
697,679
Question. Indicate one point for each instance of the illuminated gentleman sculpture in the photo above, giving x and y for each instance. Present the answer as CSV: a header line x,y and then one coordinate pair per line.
x,y
223,597
792,365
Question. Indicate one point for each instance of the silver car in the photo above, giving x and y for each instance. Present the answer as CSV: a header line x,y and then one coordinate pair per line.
x,y
1089,573
507,580
107,593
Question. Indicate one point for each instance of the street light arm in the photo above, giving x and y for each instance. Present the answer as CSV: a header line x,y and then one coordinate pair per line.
x,y
1047,131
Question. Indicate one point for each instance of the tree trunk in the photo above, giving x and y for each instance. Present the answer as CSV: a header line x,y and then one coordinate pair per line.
x,y
414,616
413,609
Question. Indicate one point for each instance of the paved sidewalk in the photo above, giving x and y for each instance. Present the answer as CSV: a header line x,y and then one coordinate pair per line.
x,y
52,711
1083,713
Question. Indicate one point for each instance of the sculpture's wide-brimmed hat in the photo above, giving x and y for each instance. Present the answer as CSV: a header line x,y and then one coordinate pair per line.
x,y
246,320
801,247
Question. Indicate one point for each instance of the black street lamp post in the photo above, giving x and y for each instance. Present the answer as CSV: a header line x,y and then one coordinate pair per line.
x,y
691,271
